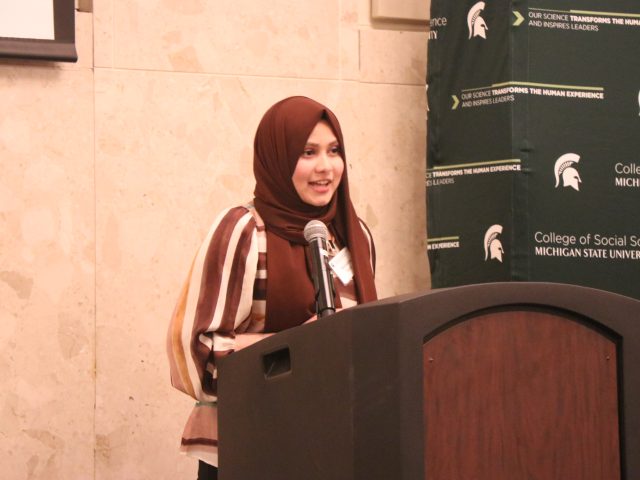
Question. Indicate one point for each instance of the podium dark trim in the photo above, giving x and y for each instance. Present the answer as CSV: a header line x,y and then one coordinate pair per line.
x,y
493,381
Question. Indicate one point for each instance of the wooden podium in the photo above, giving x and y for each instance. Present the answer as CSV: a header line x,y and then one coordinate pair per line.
x,y
502,381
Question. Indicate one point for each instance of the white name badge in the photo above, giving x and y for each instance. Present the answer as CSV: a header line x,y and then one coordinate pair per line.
x,y
341,266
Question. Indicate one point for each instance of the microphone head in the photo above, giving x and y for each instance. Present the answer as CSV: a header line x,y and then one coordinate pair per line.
x,y
315,229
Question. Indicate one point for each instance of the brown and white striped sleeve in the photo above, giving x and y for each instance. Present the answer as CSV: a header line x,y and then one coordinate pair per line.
x,y
372,246
215,300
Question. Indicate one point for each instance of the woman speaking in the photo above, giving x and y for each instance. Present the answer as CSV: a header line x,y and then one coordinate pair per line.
x,y
252,276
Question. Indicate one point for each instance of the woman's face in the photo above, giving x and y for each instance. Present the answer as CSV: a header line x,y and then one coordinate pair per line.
x,y
319,168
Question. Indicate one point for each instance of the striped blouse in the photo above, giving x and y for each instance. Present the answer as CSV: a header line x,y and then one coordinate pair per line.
x,y
224,296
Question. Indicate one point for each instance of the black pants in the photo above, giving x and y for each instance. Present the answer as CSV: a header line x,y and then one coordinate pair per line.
x,y
206,471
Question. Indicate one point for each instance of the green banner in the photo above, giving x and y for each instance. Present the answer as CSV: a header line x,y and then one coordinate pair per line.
x,y
533,163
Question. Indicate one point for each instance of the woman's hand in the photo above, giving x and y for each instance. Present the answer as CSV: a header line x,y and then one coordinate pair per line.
x,y
312,319
244,340
315,317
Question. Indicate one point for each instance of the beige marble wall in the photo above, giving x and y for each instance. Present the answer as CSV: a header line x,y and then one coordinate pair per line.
x,y
47,267
112,169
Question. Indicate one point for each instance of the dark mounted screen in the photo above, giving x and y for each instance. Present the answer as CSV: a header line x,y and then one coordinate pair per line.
x,y
61,48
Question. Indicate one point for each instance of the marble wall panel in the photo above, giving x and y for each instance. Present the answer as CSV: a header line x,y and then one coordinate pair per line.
x,y
84,44
281,38
349,40
389,185
416,10
84,39
390,56
47,272
103,33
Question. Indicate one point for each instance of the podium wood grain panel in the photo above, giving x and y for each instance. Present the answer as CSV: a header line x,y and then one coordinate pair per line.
x,y
521,395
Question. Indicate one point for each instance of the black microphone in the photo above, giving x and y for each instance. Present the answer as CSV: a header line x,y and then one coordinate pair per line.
x,y
316,233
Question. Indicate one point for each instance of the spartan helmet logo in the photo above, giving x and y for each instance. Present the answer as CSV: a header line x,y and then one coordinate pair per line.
x,y
476,24
565,169
492,245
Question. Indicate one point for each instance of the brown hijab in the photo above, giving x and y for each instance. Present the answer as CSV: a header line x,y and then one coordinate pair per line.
x,y
280,140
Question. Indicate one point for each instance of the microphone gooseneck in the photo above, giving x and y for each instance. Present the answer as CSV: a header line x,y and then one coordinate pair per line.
x,y
316,235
